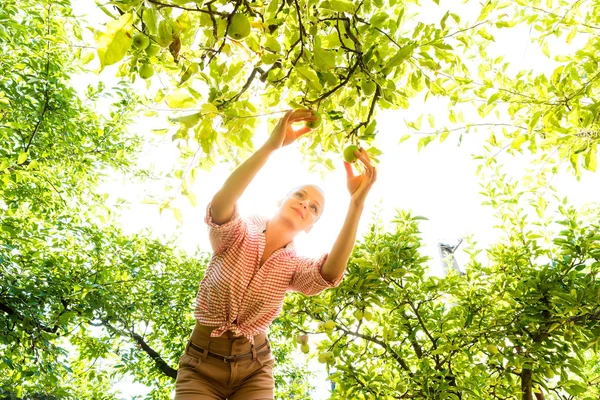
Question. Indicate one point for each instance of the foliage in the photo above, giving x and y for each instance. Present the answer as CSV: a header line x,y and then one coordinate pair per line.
x,y
525,321
82,305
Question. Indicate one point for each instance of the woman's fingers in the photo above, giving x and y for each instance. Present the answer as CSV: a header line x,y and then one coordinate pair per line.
x,y
301,131
349,171
302,115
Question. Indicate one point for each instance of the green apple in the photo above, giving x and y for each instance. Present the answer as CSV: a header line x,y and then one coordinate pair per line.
x,y
388,333
329,358
368,87
349,153
239,26
305,348
368,315
323,358
316,123
140,41
152,50
492,349
329,325
358,314
321,326
146,71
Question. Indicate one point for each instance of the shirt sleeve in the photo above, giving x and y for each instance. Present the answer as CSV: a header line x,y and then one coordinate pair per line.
x,y
307,276
223,236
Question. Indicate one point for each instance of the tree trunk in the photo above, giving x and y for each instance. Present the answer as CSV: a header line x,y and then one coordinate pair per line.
x,y
526,383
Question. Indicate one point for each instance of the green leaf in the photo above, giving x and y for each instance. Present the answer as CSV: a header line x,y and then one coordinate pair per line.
x,y
485,11
149,18
116,41
590,162
339,6
378,20
401,55
493,98
87,57
311,76
324,60
404,138
188,121
180,99
178,215
518,141
424,141
22,157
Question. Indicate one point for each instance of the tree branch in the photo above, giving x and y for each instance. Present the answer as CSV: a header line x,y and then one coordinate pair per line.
x,y
383,344
334,89
11,311
197,9
300,40
454,33
245,87
213,55
160,363
46,98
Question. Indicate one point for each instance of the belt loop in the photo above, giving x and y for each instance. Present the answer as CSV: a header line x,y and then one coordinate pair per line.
x,y
205,352
187,346
253,352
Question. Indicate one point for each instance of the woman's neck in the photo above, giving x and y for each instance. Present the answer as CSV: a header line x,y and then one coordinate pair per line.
x,y
278,233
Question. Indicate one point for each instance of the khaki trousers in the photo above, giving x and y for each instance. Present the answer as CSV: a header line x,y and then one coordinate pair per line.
x,y
202,376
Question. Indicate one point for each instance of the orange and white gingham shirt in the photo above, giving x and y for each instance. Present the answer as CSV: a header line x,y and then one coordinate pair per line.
x,y
238,295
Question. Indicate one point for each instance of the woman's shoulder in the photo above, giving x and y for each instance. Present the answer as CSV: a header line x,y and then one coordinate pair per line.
x,y
257,222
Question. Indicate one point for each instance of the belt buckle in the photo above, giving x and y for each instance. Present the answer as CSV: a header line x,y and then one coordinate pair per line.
x,y
227,359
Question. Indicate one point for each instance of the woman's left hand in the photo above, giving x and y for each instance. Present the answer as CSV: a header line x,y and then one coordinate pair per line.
x,y
360,185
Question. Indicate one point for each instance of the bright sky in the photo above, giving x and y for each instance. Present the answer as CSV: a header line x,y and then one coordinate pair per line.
x,y
438,183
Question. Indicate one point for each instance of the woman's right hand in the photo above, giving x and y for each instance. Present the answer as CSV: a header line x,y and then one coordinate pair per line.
x,y
284,134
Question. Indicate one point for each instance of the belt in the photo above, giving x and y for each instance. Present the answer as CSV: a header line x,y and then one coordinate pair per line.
x,y
230,358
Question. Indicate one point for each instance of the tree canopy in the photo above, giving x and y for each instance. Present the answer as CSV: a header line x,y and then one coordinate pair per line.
x,y
84,305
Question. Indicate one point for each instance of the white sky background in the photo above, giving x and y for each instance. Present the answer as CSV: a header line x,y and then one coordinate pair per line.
x,y
438,183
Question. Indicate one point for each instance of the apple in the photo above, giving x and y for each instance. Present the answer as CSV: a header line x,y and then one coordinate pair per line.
x,y
239,26
388,333
302,339
349,153
329,325
146,71
492,349
152,50
326,357
316,123
368,87
305,348
368,315
358,314
321,326
140,41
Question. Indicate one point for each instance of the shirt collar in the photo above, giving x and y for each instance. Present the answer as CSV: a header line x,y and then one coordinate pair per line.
x,y
290,247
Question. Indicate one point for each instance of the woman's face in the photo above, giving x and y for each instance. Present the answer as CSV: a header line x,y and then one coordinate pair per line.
x,y
303,206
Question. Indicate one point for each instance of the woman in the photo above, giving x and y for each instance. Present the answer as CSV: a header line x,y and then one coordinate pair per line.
x,y
254,264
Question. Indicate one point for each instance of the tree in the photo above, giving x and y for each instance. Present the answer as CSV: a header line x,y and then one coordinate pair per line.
x,y
522,323
350,60
81,304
